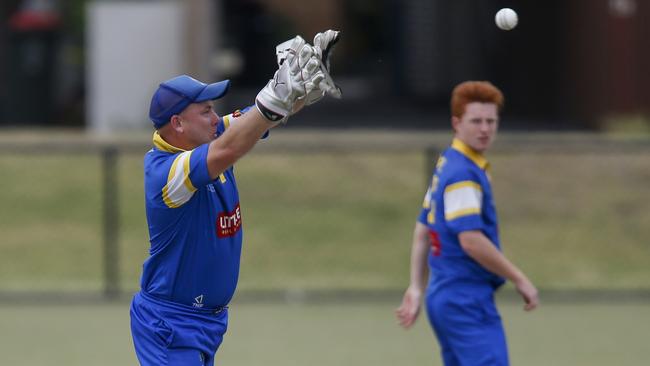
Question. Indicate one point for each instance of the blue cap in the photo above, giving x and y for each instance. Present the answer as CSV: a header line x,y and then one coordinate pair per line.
x,y
174,95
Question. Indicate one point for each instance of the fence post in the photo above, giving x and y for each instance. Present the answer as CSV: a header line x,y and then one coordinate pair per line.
x,y
430,155
111,223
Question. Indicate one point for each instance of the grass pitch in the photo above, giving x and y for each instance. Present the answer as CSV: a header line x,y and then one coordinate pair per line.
x,y
331,219
337,218
328,334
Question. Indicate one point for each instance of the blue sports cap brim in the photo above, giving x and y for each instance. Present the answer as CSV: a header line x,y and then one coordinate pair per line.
x,y
213,91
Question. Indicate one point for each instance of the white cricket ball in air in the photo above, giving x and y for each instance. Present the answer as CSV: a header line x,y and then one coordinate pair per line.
x,y
506,19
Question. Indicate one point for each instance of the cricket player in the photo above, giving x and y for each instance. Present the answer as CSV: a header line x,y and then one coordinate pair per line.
x,y
195,221
457,233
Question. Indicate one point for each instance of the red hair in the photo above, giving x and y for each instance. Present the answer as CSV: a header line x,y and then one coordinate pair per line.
x,y
474,91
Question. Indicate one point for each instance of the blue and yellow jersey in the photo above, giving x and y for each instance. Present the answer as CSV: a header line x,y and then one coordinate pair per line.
x,y
459,199
195,226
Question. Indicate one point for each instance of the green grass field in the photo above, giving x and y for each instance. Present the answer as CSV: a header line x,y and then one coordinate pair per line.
x,y
337,219
328,334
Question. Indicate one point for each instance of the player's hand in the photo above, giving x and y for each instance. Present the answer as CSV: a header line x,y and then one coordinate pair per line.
x,y
529,293
324,43
298,74
408,311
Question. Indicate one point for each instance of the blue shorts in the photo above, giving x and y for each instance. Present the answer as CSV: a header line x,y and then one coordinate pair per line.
x,y
169,334
467,324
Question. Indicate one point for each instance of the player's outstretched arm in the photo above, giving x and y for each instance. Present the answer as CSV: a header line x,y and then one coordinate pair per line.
x,y
407,313
296,77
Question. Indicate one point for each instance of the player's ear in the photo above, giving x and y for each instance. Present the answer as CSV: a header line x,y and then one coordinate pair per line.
x,y
176,123
454,122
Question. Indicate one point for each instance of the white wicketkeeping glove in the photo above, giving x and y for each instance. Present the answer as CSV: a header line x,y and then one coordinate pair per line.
x,y
298,74
323,44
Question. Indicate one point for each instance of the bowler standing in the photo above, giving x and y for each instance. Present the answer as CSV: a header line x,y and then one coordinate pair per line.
x,y
457,234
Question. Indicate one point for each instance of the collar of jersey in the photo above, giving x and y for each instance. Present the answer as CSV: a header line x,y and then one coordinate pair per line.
x,y
163,145
472,155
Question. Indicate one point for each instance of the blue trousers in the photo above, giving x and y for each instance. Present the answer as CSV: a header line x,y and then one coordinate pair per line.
x,y
169,334
467,324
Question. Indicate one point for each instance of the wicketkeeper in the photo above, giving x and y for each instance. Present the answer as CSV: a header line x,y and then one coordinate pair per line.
x,y
180,314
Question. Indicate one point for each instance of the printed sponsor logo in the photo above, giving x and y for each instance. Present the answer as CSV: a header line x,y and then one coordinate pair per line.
x,y
229,223
198,301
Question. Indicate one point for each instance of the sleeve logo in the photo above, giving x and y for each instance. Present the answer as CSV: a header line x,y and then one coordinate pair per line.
x,y
229,223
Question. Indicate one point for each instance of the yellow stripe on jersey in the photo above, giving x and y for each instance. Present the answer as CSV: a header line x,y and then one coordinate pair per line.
x,y
186,174
462,199
441,163
460,213
431,217
463,184
179,188
226,121
165,190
